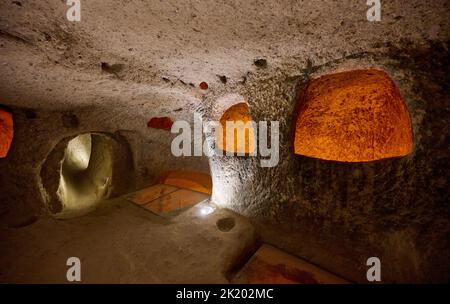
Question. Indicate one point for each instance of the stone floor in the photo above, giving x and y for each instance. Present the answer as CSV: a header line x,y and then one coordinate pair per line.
x,y
183,239
270,265
166,200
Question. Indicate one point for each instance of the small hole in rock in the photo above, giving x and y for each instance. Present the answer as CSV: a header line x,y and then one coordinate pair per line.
x,y
226,224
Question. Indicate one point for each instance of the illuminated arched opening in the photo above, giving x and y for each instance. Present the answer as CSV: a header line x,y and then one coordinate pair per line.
x,y
82,171
86,172
6,132
237,134
353,116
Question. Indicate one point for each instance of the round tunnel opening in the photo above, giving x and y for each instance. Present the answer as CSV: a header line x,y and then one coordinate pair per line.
x,y
86,172
89,168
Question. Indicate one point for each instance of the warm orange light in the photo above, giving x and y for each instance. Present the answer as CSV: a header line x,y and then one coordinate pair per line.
x,y
240,138
6,132
196,181
353,116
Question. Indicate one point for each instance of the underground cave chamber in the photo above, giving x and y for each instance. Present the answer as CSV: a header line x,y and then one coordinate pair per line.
x,y
87,167
351,118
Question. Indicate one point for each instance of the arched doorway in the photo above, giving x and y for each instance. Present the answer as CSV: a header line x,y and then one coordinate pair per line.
x,y
84,170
